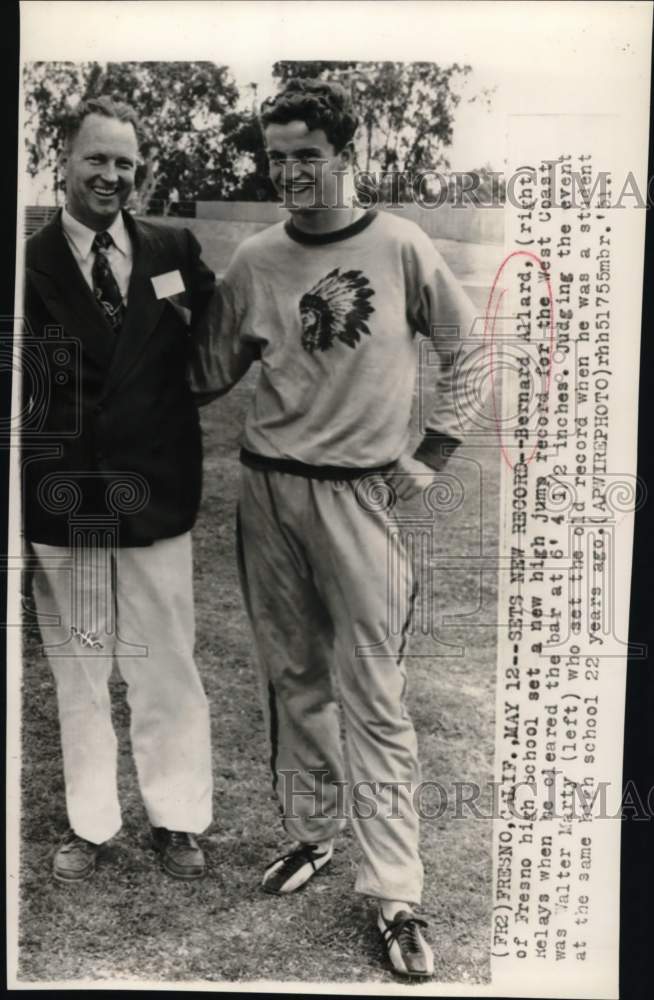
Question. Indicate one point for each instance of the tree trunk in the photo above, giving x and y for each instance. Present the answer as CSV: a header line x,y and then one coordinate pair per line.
x,y
146,188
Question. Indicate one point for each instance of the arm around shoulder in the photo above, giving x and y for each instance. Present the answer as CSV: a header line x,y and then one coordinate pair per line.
x,y
219,356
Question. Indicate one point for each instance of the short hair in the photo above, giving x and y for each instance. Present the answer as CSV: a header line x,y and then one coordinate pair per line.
x,y
105,106
319,104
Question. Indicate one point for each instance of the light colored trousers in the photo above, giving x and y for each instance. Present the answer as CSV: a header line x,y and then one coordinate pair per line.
x,y
134,607
329,598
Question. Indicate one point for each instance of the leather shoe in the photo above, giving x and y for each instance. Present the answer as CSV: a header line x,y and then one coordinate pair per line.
x,y
75,858
181,855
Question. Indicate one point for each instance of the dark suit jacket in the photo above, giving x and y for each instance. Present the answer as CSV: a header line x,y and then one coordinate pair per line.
x,y
110,429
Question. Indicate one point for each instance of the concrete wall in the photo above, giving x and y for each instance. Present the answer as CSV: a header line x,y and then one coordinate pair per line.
x,y
464,223
265,212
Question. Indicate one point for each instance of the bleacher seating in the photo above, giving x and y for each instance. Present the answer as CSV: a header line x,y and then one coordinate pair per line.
x,y
37,216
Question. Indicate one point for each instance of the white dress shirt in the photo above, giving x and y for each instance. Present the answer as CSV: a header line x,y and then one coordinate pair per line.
x,y
80,239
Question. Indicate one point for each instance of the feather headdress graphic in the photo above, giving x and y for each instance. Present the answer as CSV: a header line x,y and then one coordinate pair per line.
x,y
336,307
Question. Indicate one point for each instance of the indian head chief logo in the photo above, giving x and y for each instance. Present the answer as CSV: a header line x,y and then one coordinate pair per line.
x,y
336,307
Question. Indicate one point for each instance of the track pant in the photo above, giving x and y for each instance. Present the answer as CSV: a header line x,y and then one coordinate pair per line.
x,y
133,607
329,599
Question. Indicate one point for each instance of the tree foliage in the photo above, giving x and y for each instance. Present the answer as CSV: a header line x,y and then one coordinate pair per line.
x,y
48,87
243,131
183,107
406,110
200,143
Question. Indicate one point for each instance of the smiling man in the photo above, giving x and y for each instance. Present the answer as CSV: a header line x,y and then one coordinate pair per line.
x,y
111,488
331,301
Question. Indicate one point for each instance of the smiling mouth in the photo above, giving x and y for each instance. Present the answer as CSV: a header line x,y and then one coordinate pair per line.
x,y
291,194
103,193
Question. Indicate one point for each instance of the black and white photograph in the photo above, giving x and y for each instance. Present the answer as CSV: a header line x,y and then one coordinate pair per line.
x,y
323,485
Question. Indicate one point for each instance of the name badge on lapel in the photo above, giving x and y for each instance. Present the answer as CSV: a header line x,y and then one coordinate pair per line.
x,y
170,283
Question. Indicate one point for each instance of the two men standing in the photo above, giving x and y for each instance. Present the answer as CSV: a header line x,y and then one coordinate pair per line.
x,y
330,303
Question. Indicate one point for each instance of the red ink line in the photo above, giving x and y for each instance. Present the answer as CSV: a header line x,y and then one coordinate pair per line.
x,y
498,274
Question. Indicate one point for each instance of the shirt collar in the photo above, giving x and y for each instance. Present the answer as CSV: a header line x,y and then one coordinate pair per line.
x,y
82,237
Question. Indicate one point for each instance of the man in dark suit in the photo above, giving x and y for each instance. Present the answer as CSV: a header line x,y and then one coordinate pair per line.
x,y
111,477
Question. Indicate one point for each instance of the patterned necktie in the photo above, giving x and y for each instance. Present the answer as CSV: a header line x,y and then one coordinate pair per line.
x,y
105,286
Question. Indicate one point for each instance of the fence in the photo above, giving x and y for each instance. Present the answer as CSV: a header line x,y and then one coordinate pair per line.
x,y
37,216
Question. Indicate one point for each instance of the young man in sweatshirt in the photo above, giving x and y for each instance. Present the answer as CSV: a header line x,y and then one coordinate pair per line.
x,y
330,302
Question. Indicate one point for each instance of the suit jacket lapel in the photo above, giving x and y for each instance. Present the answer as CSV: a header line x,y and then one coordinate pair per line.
x,y
62,287
143,307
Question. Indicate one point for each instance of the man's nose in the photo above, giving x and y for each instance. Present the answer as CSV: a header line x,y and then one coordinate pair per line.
x,y
109,172
296,168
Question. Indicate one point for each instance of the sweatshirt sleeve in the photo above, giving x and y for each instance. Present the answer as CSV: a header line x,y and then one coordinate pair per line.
x,y
220,354
441,310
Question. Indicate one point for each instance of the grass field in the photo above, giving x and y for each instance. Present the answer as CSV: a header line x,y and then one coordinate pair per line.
x,y
131,922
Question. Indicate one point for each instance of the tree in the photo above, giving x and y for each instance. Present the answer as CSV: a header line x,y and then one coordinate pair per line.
x,y
48,89
200,143
243,131
182,106
406,111
489,187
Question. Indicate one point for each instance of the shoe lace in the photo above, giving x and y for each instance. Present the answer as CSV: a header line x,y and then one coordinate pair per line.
x,y
306,851
405,931
180,839
72,841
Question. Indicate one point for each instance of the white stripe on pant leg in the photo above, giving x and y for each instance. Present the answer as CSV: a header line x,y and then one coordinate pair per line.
x,y
294,638
353,551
